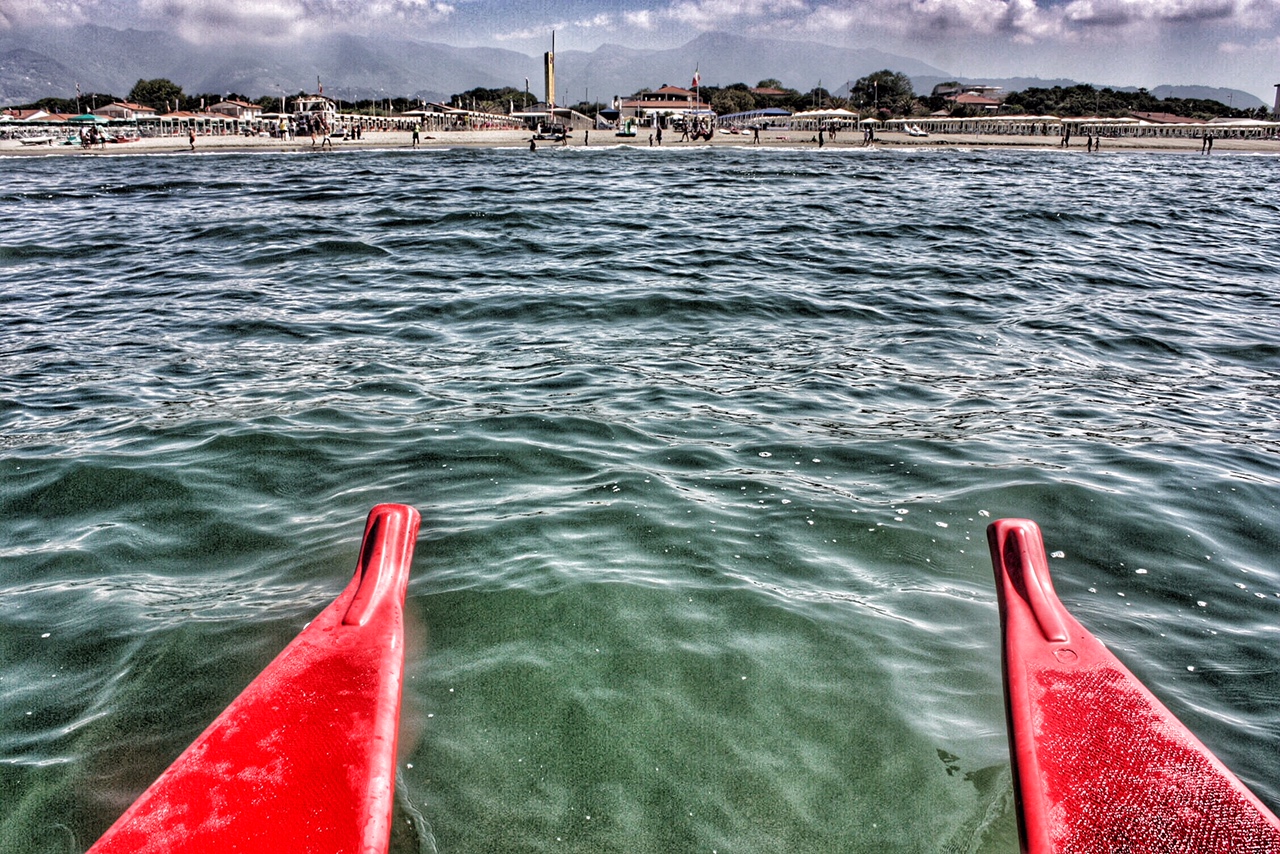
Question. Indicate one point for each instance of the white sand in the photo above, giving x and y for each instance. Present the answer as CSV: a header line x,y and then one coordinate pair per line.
x,y
520,139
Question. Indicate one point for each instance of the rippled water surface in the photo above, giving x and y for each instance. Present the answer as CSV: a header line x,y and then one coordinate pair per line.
x,y
705,443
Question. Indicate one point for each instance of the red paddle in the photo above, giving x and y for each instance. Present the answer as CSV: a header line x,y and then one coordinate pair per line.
x,y
304,759
1099,764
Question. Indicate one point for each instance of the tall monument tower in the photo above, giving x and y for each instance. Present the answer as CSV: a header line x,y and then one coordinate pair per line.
x,y
549,68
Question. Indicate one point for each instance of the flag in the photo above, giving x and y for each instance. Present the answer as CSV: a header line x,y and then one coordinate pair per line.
x,y
697,79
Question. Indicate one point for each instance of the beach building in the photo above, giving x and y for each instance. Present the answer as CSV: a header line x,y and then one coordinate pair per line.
x,y
761,118
1136,126
24,115
973,101
124,111
666,102
238,110
815,120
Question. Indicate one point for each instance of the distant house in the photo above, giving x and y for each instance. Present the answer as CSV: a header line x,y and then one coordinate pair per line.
x,y
1165,119
124,110
237,110
974,100
666,101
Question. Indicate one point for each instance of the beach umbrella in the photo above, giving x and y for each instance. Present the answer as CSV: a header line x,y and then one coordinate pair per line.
x,y
89,118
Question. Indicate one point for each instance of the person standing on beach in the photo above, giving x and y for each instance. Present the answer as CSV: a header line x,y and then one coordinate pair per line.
x,y
417,130
755,134
659,134
191,137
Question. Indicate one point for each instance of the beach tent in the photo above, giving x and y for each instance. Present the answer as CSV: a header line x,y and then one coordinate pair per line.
x,y
811,119
751,116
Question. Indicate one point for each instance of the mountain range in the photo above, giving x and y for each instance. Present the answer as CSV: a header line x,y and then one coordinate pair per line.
x,y
35,64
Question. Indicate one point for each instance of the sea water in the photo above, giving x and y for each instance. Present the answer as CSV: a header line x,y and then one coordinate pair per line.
x,y
705,443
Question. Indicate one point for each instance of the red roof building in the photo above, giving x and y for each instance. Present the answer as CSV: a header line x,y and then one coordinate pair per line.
x,y
969,99
1165,119
667,100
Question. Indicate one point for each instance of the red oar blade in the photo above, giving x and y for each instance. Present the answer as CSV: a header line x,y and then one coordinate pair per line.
x,y
1100,765
304,759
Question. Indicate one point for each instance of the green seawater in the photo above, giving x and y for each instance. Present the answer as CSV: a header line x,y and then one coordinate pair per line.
x,y
705,443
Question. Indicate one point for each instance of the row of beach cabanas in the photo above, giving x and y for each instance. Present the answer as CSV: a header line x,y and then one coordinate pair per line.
x,y
1013,125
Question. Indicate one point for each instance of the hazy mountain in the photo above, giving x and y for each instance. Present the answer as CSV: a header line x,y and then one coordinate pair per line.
x,y
723,59
924,83
40,63
105,60
1230,97
27,76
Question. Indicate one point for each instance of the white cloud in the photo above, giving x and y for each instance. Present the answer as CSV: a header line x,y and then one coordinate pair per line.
x,y
716,14
539,32
15,14
601,21
1266,47
1125,12
641,20
202,20
1021,21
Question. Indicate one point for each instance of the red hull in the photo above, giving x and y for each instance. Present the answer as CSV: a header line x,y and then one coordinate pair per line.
x,y
304,759
1100,765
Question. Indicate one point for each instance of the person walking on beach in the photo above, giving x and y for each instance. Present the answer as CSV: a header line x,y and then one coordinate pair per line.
x,y
191,137
755,134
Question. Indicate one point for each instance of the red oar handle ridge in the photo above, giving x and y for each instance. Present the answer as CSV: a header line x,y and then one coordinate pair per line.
x,y
303,761
1100,766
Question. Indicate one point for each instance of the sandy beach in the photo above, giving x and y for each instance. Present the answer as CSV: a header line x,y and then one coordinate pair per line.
x,y
520,139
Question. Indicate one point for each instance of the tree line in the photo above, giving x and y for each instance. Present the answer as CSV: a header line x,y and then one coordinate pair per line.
x,y
882,94
165,96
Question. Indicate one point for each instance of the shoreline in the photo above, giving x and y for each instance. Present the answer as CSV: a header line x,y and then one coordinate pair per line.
x,y
774,138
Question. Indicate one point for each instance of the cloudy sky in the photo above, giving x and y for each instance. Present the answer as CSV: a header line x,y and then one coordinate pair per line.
x,y
1234,43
